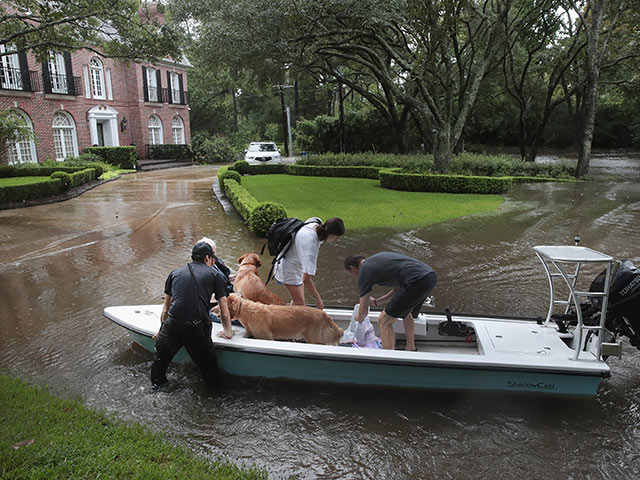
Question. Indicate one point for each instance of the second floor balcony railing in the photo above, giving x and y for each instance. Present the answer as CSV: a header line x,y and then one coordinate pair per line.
x,y
63,85
19,80
165,95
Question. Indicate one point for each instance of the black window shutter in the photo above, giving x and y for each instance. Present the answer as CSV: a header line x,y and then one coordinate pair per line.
x,y
68,71
182,100
145,88
46,76
24,71
159,85
169,88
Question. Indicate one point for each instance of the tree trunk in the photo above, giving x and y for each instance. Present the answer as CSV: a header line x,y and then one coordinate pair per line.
x,y
591,92
442,152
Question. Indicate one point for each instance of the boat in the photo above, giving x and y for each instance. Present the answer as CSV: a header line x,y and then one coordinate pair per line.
x,y
564,353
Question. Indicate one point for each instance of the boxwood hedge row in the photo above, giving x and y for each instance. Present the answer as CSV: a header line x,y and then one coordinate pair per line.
x,y
417,182
60,182
7,171
258,215
335,171
125,157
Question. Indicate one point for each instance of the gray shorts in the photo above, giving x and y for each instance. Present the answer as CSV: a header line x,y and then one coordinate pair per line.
x,y
410,299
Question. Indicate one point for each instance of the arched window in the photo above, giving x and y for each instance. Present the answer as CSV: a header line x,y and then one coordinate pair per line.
x,y
177,127
64,136
97,78
155,130
23,150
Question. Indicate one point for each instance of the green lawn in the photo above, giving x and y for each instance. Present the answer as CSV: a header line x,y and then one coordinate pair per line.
x,y
362,203
11,181
46,437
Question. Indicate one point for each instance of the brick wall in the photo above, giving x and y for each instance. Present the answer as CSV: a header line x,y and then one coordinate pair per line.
x,y
127,100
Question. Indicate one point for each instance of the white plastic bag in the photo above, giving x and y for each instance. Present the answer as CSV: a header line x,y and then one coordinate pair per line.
x,y
361,333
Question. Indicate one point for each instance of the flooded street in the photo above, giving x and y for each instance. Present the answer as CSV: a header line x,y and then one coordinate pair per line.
x,y
62,264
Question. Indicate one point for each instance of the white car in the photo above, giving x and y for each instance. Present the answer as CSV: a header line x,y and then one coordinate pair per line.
x,y
262,152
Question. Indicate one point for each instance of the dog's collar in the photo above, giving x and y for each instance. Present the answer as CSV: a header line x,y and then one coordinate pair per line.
x,y
243,263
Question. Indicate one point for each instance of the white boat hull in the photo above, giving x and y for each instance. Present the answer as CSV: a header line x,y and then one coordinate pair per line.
x,y
504,354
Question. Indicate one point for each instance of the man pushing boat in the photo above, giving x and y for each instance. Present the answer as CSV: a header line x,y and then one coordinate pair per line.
x,y
411,280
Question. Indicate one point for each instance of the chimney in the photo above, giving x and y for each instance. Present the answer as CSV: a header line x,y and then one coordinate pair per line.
x,y
152,12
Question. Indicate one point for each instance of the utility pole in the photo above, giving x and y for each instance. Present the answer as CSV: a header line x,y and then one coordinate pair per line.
x,y
286,133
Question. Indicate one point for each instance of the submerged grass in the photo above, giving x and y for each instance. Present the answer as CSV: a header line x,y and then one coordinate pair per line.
x,y
46,437
362,203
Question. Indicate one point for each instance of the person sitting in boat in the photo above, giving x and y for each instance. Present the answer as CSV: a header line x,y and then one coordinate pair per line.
x,y
219,264
296,270
184,318
412,282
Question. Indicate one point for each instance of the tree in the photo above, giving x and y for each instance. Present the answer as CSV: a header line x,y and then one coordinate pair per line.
x,y
113,28
12,129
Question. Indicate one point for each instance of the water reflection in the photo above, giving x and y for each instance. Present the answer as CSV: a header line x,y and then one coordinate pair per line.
x,y
62,264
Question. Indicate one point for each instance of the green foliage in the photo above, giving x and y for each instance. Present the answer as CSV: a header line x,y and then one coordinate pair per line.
x,y
212,149
416,182
43,436
334,171
264,169
170,151
241,166
32,191
263,216
369,159
241,199
30,170
70,25
85,160
462,164
365,130
124,157
228,174
64,177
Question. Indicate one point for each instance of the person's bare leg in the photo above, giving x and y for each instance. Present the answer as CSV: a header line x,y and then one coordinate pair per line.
x,y
297,294
387,335
409,332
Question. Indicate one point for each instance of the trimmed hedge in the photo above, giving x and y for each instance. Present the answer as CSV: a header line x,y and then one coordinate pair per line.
x,y
241,199
32,191
64,177
7,171
60,182
125,157
416,182
228,174
264,215
259,216
171,151
335,171
241,166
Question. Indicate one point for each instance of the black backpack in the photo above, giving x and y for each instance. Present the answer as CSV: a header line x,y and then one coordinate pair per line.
x,y
279,237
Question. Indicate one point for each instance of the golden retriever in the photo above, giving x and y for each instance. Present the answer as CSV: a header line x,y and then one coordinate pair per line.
x,y
249,284
280,322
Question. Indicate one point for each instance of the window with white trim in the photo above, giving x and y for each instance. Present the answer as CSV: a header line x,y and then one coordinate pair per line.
x,y
23,150
155,130
152,84
64,136
177,128
175,87
96,70
58,73
11,78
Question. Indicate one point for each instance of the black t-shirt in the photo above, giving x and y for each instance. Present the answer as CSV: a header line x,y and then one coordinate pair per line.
x,y
390,270
181,287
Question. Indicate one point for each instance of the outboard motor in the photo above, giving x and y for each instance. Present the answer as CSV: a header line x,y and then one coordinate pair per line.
x,y
623,310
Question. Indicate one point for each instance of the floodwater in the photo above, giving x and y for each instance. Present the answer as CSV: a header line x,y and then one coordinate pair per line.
x,y
61,264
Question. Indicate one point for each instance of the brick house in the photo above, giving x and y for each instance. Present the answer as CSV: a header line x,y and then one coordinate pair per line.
x,y
80,99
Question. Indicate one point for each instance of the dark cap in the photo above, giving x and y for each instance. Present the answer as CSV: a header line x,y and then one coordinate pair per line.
x,y
200,250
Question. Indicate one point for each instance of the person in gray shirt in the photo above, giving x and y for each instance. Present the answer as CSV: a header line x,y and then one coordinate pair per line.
x,y
411,281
